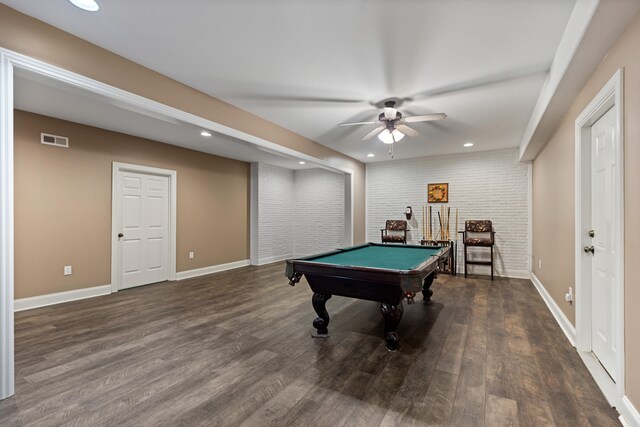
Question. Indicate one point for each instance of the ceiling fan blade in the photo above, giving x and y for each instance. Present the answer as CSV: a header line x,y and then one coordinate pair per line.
x,y
296,98
425,118
407,130
508,76
373,133
356,123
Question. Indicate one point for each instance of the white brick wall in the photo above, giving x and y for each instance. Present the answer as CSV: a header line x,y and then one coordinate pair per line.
x,y
487,185
319,220
274,231
295,213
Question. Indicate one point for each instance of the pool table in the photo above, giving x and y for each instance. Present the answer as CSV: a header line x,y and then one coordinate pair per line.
x,y
386,273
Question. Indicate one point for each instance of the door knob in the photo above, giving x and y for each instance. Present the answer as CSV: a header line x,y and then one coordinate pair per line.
x,y
120,235
592,233
588,249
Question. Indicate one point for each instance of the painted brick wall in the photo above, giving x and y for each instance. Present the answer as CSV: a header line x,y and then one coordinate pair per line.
x,y
295,213
319,220
487,185
274,231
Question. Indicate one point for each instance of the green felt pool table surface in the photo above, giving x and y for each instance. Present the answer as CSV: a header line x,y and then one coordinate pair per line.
x,y
394,257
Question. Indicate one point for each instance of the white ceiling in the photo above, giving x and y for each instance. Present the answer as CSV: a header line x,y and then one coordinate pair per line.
x,y
294,62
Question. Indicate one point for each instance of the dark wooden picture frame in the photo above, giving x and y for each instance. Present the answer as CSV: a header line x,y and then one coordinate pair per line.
x,y
438,193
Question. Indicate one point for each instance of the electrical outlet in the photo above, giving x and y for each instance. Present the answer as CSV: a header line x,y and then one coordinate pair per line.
x,y
68,270
539,263
191,255
569,295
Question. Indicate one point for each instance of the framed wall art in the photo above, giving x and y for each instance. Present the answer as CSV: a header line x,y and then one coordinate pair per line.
x,y
438,193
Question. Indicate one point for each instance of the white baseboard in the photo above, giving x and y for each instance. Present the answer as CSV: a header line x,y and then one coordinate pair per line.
x,y
485,271
629,415
181,275
270,259
60,297
566,326
601,377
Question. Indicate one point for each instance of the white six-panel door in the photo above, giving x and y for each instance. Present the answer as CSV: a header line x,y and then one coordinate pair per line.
x,y
603,206
143,240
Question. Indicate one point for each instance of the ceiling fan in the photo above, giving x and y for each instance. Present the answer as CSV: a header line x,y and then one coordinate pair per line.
x,y
392,125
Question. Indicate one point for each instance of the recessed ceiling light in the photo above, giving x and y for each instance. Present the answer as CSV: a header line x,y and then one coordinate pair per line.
x,y
302,163
88,5
469,144
205,133
371,155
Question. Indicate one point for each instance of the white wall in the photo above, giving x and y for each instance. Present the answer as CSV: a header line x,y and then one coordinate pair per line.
x,y
275,200
319,211
486,185
295,213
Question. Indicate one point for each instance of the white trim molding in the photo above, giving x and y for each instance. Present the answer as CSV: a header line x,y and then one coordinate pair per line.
x,y
10,60
610,96
187,274
116,209
7,384
629,415
60,297
564,323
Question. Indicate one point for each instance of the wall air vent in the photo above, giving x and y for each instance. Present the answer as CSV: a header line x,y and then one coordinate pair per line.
x,y
58,141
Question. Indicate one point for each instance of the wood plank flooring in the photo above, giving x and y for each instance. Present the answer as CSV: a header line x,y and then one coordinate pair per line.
x,y
234,348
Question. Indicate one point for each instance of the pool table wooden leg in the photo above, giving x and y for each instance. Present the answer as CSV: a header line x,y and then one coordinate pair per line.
x,y
392,315
321,322
426,287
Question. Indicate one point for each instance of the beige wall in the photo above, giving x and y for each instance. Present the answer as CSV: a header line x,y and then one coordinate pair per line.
x,y
36,39
553,198
63,204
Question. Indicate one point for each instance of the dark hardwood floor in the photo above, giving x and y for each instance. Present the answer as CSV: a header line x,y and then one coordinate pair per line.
x,y
234,348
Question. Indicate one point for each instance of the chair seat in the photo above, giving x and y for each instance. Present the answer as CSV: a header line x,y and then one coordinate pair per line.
x,y
478,241
393,238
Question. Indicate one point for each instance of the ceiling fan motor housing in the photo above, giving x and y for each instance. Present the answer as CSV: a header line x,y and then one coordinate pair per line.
x,y
382,117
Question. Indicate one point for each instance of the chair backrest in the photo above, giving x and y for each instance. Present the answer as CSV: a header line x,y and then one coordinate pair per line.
x,y
396,224
478,226
478,232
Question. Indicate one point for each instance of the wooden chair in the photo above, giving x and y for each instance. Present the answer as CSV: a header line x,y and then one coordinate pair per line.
x,y
478,233
392,229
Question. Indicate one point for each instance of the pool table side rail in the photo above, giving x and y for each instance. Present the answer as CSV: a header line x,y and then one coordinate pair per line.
x,y
409,280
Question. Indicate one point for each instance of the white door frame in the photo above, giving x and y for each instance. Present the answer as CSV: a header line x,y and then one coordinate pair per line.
x,y
116,211
611,96
7,382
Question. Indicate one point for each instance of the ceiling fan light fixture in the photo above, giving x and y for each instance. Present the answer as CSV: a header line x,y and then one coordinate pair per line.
x,y
390,113
88,5
388,138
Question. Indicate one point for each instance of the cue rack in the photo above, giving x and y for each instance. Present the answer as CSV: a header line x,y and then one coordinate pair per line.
x,y
438,233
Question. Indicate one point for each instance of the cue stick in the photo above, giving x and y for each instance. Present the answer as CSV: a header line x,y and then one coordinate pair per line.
x,y
448,222
440,220
443,224
430,218
424,222
430,222
456,225
422,209
444,220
